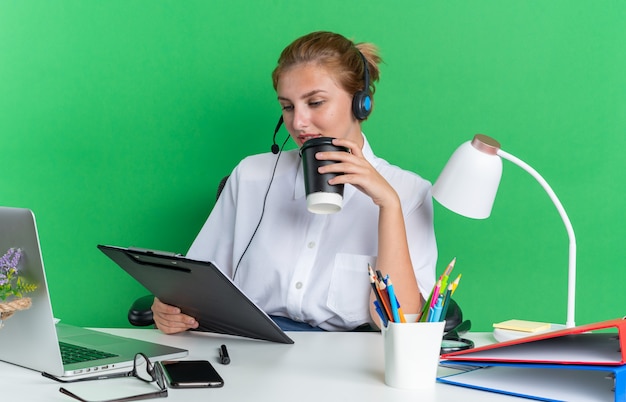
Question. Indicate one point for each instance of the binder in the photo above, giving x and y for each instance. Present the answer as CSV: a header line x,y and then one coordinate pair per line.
x,y
584,363
544,382
571,346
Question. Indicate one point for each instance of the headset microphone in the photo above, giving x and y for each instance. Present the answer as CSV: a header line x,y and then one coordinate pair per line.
x,y
275,148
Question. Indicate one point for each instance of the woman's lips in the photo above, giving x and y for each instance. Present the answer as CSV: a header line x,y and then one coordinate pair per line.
x,y
305,137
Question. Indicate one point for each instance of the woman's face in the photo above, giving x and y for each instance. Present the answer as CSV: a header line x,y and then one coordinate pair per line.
x,y
315,106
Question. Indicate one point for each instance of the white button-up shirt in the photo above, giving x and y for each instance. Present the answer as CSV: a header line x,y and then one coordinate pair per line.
x,y
308,267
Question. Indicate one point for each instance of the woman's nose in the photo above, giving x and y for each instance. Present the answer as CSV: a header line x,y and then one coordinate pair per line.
x,y
300,118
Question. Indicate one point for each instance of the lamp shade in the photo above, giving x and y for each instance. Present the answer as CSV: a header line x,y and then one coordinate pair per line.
x,y
469,182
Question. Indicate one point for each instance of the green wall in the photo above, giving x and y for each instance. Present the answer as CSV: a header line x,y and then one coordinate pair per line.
x,y
117,119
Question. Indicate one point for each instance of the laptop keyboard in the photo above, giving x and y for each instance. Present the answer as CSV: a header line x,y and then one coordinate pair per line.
x,y
76,354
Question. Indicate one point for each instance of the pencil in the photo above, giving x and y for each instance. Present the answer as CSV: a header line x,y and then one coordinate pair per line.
x,y
455,284
446,274
450,267
385,298
393,301
377,293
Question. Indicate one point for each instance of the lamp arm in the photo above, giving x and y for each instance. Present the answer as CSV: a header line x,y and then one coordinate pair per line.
x,y
571,285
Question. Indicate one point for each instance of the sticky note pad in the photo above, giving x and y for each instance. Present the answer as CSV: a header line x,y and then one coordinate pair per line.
x,y
522,325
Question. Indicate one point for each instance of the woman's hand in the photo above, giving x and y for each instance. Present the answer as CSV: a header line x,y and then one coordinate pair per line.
x,y
170,320
358,172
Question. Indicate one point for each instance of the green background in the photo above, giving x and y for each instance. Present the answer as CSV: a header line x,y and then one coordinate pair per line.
x,y
118,118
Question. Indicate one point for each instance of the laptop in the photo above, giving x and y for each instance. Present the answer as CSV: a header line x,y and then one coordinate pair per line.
x,y
200,289
33,339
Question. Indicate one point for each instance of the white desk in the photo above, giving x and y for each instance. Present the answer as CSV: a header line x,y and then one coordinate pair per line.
x,y
320,366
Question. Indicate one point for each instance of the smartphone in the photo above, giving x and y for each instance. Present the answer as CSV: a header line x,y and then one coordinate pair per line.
x,y
191,374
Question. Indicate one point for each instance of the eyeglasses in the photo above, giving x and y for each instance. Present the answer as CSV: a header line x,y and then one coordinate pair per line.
x,y
143,369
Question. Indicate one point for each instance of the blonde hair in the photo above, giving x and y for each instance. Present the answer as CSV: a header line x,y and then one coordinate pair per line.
x,y
337,54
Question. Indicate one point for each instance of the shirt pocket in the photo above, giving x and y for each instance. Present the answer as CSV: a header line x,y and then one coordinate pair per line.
x,y
349,291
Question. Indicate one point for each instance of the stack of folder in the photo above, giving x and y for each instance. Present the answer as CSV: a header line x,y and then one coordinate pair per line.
x,y
584,363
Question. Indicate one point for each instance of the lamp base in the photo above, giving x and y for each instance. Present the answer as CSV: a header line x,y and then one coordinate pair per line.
x,y
504,335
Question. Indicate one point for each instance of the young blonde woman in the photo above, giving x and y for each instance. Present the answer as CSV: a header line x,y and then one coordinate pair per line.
x,y
309,271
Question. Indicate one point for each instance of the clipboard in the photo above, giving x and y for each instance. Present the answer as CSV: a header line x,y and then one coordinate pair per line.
x,y
571,346
543,382
200,290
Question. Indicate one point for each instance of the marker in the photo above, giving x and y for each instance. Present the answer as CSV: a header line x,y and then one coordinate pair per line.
x,y
437,310
224,358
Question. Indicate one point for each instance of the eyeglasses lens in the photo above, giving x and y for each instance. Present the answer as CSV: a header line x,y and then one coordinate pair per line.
x,y
159,376
144,370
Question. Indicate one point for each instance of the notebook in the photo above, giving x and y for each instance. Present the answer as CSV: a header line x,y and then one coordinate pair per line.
x,y
200,290
33,339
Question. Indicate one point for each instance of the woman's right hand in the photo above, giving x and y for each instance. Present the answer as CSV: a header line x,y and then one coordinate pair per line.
x,y
170,320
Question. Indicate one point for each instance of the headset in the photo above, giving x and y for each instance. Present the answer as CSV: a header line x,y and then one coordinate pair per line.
x,y
361,103
362,100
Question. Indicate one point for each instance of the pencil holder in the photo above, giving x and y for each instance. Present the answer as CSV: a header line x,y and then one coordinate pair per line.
x,y
412,353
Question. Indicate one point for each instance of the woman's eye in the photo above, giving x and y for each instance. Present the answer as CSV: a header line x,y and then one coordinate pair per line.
x,y
316,103
287,108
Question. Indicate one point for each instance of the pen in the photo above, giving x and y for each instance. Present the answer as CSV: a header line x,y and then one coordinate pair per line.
x,y
382,315
224,358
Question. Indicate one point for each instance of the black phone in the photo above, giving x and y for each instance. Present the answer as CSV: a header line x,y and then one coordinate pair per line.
x,y
191,374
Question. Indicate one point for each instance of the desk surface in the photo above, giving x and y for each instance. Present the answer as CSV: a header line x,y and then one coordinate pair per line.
x,y
328,366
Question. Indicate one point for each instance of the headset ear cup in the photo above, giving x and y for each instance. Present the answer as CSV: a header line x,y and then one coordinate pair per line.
x,y
361,105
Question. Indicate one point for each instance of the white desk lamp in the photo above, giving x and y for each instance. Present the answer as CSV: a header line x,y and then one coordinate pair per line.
x,y
468,185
